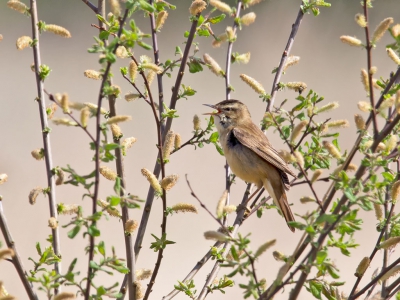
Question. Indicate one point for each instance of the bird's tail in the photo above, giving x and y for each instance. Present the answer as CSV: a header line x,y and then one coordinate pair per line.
x,y
279,196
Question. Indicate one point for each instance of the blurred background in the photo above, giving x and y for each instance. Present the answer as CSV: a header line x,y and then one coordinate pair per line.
x,y
328,66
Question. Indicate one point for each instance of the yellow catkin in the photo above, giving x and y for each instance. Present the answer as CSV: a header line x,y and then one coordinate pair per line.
x,y
196,123
352,41
143,274
221,6
168,144
373,70
139,290
18,6
51,109
53,223
116,131
352,167
364,80
3,178
254,84
392,272
92,74
38,154
64,121
58,30
197,7
297,86
393,55
381,29
306,199
23,42
327,108
331,149
168,182
184,207
131,226
108,173
243,58
65,296
122,52
216,236
396,30
213,65
115,7
338,124
279,256
118,119
264,247
360,123
395,191
297,130
153,67
221,204
67,209
360,20
131,97
316,175
391,143
127,144
390,243
85,114
161,18
248,19
216,43
132,70
60,176
228,209
151,178
378,212
362,266
65,103
150,76
112,211
291,61
364,106
299,159
177,141
33,194
5,253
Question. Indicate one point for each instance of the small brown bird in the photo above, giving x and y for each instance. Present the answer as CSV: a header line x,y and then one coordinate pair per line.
x,y
250,154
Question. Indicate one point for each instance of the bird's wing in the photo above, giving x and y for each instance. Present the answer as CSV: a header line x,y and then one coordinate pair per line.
x,y
258,142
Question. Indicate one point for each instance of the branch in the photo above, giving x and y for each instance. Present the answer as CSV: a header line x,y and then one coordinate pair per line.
x,y
90,5
16,260
46,136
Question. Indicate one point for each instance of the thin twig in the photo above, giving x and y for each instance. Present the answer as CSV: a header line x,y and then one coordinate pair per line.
x,y
46,135
90,5
253,271
16,260
137,89
102,29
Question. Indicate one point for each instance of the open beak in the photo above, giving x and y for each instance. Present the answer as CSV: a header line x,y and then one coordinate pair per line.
x,y
212,113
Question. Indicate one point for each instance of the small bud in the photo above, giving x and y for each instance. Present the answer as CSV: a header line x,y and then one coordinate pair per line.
x,y
168,144
92,74
255,85
338,124
279,256
60,175
178,141
352,41
65,296
316,175
221,204
85,114
395,191
393,55
221,6
362,267
184,207
228,209
360,20
118,119
213,65
378,212
216,43
373,70
326,108
360,123
23,42
131,97
58,30
296,86
197,7
396,30
299,158
67,209
391,143
53,223
216,236
50,110
115,7
6,252
127,143
364,106
392,272
33,194
142,274
131,226
381,29
139,290
3,178
297,130
306,199
111,210
38,154
64,121
243,58
264,247
132,70
18,6
151,178
153,67
248,19
168,182
196,123
352,167
291,61
161,18
65,103
331,149
108,173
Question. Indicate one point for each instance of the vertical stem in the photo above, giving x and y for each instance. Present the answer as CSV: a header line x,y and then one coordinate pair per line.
x,y
45,134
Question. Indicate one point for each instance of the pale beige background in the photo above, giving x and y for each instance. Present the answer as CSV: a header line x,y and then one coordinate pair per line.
x,y
327,66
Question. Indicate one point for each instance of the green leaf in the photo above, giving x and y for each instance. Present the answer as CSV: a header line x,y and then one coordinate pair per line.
x,y
72,233
214,137
100,17
315,289
349,194
146,6
217,19
203,32
326,218
114,200
93,230
144,45
101,248
195,66
388,176
93,265
103,35
111,146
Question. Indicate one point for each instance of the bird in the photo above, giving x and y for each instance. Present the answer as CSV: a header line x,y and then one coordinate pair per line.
x,y
250,155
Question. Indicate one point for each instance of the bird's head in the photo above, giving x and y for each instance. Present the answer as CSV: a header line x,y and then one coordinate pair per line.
x,y
230,113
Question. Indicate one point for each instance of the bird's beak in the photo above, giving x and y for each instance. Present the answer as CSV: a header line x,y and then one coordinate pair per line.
x,y
214,112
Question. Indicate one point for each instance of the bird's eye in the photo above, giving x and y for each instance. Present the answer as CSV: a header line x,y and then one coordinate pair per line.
x,y
228,109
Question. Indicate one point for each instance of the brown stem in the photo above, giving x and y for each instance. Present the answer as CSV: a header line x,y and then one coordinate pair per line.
x,y
90,5
253,271
45,134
